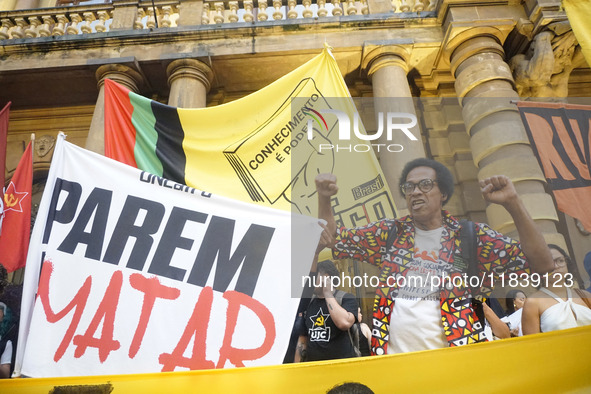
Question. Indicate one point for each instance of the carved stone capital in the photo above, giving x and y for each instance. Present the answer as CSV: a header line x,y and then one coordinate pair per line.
x,y
378,57
464,41
544,12
190,68
473,46
476,60
121,74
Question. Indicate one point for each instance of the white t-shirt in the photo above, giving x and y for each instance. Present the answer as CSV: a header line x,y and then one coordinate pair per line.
x,y
415,322
6,357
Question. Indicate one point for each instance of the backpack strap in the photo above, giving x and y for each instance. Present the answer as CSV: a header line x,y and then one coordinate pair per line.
x,y
468,246
355,342
391,237
469,260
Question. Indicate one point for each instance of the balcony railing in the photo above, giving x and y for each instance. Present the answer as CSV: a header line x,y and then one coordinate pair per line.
x,y
98,18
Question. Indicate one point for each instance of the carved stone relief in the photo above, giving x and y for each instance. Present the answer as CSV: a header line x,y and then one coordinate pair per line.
x,y
545,69
44,145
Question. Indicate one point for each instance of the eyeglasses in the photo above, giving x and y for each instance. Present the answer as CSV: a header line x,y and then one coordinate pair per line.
x,y
560,261
425,185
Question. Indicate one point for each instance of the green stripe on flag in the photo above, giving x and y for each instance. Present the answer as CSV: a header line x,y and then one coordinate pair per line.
x,y
146,135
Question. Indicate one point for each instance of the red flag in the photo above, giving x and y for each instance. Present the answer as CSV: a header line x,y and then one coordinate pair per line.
x,y
14,240
560,137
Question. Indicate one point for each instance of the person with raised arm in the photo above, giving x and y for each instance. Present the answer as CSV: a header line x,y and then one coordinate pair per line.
x,y
420,304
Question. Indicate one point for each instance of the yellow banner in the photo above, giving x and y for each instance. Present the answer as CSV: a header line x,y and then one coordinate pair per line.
x,y
579,14
543,363
269,146
265,148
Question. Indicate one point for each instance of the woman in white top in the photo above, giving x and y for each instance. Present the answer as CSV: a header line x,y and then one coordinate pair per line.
x,y
557,306
514,301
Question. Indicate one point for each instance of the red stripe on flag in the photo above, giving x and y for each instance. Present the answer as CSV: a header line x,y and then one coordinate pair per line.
x,y
16,227
119,131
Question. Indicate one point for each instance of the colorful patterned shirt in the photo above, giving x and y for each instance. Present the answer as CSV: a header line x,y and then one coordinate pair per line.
x,y
497,256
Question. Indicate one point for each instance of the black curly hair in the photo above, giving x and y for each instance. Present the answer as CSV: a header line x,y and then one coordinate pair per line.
x,y
328,267
571,265
510,298
445,180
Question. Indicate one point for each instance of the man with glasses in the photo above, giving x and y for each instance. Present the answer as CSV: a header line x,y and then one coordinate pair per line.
x,y
419,305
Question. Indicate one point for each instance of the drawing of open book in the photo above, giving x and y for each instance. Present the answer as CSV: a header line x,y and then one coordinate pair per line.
x,y
278,159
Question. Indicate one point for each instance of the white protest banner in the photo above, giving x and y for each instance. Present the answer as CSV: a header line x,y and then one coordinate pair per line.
x,y
131,273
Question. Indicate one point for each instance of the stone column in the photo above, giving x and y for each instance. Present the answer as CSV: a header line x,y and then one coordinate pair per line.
x,y
189,81
7,5
26,4
387,68
121,74
47,3
498,141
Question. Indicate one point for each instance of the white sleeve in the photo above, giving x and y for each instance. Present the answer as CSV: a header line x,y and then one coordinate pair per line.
x,y
6,357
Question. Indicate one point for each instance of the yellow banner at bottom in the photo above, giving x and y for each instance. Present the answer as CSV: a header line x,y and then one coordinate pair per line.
x,y
552,362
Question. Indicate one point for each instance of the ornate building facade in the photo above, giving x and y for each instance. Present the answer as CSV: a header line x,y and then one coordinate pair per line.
x,y
461,62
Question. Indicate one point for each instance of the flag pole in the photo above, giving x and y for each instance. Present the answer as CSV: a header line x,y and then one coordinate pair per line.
x,y
155,16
